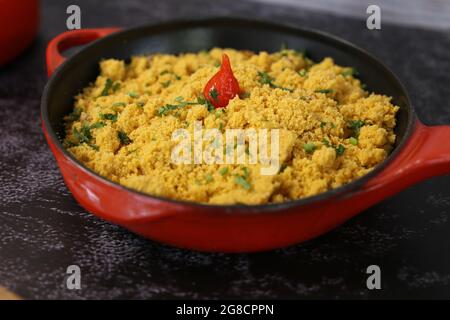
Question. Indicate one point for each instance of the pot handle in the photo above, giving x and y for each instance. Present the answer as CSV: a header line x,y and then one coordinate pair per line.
x,y
426,154
71,39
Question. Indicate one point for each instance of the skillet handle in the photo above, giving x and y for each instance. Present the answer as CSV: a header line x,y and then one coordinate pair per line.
x,y
71,39
426,154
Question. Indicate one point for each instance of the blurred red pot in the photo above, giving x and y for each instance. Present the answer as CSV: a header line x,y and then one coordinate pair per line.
x,y
19,21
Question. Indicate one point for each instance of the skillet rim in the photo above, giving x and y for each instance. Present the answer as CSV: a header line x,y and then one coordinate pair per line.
x,y
320,36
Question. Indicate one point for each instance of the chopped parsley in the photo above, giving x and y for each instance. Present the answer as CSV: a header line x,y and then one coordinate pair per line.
x,y
340,150
133,94
108,116
213,93
242,179
325,91
74,115
208,178
98,125
107,87
94,146
303,73
119,104
246,172
353,141
140,104
164,110
355,126
264,78
218,113
350,72
165,84
84,135
207,103
223,171
309,147
116,86
124,139
242,182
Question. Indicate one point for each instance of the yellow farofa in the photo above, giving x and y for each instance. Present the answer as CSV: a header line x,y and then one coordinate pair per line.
x,y
324,100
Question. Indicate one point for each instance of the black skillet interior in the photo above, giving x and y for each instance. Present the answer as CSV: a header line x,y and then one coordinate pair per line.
x,y
193,36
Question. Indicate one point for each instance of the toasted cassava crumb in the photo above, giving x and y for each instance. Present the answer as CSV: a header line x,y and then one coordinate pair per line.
x,y
331,130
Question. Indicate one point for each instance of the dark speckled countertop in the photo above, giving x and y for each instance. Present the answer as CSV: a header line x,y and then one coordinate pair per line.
x,y
43,229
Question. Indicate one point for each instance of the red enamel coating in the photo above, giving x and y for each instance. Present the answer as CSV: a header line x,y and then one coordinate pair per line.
x,y
426,154
19,21
71,39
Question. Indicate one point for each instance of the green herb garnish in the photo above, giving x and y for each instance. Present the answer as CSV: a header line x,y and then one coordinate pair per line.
x,y
170,107
164,110
242,182
208,178
165,84
309,147
98,125
107,87
325,91
223,171
133,94
355,126
116,86
108,116
350,72
119,104
326,142
340,150
206,102
353,141
246,172
84,134
94,146
302,72
264,78
214,94
124,139
74,115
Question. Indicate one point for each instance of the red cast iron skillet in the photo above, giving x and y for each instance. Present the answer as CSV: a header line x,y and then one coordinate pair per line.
x,y
420,151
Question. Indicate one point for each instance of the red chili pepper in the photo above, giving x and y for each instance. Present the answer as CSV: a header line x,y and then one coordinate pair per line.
x,y
223,86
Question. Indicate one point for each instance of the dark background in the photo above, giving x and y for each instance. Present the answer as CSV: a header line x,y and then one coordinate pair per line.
x,y
43,229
